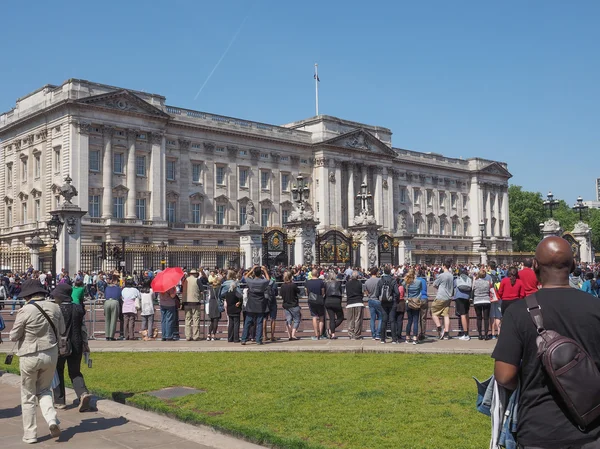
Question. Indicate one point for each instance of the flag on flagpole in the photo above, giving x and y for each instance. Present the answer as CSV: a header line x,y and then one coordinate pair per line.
x,y
315,76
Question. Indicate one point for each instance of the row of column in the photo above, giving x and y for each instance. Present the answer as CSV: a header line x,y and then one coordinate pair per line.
x,y
493,210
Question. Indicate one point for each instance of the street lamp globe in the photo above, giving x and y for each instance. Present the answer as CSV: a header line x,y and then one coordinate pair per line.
x,y
54,227
482,227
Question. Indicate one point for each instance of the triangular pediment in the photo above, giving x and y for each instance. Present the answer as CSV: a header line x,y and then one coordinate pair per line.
x,y
120,189
124,101
361,140
221,199
496,169
286,203
243,200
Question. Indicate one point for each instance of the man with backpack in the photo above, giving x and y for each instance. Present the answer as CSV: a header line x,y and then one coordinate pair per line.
x,y
463,287
387,292
557,388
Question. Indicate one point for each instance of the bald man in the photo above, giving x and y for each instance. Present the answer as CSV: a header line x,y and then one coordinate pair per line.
x,y
572,313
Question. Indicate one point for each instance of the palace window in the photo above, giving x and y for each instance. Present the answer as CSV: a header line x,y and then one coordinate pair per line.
x,y
94,206
119,163
285,213
285,182
264,216
171,170
429,198
465,199
24,169
196,213
37,166
119,207
220,175
171,211
94,160
220,150
57,160
38,210
466,228
24,212
416,195
453,199
500,227
242,215
140,165
9,216
442,199
442,227
196,170
429,225
9,175
454,227
264,180
140,208
243,177
220,214
402,194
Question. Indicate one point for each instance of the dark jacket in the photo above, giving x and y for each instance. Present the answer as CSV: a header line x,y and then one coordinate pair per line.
x,y
257,301
233,297
74,316
387,279
333,293
213,304
354,291
289,295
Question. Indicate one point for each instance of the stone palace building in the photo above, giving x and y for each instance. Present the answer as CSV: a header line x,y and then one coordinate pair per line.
x,y
161,179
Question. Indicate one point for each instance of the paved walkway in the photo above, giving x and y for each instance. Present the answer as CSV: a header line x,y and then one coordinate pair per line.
x,y
113,426
431,346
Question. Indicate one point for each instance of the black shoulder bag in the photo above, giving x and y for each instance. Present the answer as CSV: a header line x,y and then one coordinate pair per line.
x,y
573,376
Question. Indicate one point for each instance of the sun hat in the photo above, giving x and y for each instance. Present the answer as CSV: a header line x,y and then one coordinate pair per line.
x,y
32,287
62,292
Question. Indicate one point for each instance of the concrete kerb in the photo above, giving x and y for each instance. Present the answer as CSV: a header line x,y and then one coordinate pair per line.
x,y
195,433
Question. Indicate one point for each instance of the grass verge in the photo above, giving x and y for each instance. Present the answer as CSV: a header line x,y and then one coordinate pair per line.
x,y
310,400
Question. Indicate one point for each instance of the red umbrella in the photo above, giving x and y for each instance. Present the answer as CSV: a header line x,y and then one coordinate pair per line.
x,y
166,279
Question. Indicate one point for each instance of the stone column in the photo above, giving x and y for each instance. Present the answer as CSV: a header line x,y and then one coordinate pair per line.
x,y
550,227
337,198
351,194
304,234
131,195
157,177
583,235
405,250
68,254
251,244
483,255
505,213
475,206
107,171
378,198
322,193
390,211
34,246
367,236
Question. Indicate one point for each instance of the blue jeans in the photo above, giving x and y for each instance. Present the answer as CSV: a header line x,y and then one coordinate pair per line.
x,y
412,320
376,312
253,318
14,303
167,317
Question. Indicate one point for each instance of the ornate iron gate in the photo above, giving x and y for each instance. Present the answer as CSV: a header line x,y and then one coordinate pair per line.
x,y
387,251
275,248
334,248
14,259
573,243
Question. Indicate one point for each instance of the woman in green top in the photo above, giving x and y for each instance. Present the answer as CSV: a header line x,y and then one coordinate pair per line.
x,y
78,292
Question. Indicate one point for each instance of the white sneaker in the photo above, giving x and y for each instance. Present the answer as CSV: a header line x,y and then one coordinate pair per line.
x,y
30,440
464,338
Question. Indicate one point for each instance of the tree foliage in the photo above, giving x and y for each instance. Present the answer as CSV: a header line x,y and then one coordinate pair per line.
x,y
527,211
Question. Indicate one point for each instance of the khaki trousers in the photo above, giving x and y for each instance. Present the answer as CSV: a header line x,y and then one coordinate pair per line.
x,y
192,321
355,319
37,371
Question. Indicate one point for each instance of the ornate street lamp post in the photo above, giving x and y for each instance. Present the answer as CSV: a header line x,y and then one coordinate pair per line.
x,y
300,192
163,254
580,207
54,227
482,232
364,196
550,204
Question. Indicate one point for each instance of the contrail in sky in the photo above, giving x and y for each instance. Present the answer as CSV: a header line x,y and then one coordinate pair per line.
x,y
222,56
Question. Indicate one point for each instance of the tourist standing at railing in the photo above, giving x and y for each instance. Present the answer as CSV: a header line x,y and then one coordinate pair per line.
x,y
78,293
413,288
424,305
387,293
333,303
191,294
111,307
355,306
145,305
441,305
272,309
214,307
482,303
290,293
14,290
375,309
256,305
316,302
130,295
168,312
511,289
232,297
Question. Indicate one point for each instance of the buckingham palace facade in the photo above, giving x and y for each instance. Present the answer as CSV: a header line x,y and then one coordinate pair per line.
x,y
149,174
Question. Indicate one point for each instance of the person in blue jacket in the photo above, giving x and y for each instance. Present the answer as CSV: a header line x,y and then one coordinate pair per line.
x,y
590,285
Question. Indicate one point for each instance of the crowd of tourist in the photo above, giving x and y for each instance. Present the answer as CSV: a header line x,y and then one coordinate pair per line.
x,y
250,299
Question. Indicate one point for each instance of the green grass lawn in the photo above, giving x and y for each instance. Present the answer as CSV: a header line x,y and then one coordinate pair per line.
x,y
311,400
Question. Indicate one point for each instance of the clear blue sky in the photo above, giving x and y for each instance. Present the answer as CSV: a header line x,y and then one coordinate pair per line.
x,y
517,81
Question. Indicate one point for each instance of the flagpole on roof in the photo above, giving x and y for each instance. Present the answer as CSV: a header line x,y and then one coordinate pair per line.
x,y
317,87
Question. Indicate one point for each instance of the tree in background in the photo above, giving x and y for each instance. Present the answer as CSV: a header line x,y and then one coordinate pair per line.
x,y
526,211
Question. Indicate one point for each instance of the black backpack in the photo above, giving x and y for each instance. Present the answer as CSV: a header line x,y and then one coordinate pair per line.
x,y
386,294
573,377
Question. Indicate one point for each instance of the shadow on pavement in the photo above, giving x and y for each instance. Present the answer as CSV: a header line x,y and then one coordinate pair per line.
x,y
90,425
10,412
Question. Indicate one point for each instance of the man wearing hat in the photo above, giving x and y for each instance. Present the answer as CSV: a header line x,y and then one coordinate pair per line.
x,y
192,287
73,315
36,328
